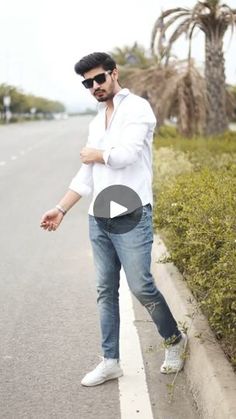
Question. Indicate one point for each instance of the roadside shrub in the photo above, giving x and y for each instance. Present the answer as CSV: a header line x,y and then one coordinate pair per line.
x,y
195,213
167,132
168,136
168,164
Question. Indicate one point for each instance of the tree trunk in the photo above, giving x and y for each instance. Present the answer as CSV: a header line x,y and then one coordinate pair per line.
x,y
215,84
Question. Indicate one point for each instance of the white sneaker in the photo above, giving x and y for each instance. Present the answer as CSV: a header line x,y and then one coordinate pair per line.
x,y
175,357
108,369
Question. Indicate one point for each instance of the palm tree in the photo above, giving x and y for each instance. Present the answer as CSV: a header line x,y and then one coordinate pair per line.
x,y
133,56
177,90
213,19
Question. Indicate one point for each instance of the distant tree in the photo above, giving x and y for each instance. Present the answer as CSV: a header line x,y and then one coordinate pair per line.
x,y
133,56
22,103
18,98
213,19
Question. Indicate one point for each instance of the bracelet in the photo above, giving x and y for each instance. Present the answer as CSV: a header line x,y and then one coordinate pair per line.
x,y
62,210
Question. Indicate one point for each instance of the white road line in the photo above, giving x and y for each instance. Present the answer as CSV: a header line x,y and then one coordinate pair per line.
x,y
134,397
14,157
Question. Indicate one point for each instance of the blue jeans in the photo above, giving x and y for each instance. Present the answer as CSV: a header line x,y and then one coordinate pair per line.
x,y
132,250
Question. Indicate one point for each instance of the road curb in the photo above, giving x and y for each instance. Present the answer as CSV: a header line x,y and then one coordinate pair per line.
x,y
208,373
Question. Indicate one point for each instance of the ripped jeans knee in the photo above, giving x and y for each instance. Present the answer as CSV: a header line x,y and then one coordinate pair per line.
x,y
151,306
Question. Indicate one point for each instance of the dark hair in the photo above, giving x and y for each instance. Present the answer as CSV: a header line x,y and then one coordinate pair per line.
x,y
96,59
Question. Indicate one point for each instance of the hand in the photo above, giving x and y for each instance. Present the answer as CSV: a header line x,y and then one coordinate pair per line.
x,y
91,155
51,219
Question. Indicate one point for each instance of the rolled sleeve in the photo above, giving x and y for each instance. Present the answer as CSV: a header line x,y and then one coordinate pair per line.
x,y
137,130
106,154
82,183
127,152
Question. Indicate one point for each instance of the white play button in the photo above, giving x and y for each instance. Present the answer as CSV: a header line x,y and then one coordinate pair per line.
x,y
116,209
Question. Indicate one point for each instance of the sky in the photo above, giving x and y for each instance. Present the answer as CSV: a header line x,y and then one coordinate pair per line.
x,y
41,40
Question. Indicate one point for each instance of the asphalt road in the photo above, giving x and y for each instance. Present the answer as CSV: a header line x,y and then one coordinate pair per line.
x,y
48,319
49,332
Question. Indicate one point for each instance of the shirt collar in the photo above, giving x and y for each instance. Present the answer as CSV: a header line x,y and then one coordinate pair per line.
x,y
117,98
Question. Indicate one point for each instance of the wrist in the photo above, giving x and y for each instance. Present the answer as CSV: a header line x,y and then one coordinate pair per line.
x,y
61,209
99,156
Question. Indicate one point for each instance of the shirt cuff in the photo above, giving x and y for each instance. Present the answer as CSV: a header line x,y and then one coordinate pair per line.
x,y
106,154
82,189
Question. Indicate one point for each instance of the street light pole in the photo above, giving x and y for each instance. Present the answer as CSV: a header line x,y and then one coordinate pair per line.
x,y
6,104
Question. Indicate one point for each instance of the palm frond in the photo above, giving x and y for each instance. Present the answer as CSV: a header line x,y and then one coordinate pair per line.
x,y
182,28
165,27
159,23
176,90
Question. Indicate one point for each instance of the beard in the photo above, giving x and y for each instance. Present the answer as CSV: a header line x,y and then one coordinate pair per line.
x,y
102,95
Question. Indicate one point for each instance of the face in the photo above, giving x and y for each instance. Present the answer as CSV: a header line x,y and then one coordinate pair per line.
x,y
106,90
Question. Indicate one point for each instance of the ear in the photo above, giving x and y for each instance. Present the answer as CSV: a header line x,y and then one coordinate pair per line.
x,y
115,74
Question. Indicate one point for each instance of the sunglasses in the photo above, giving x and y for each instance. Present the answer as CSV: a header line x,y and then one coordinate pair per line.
x,y
99,79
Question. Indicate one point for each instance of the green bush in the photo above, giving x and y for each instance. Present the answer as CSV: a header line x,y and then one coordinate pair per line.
x,y
167,132
168,137
196,215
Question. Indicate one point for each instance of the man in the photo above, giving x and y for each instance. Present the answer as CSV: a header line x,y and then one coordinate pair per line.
x,y
119,152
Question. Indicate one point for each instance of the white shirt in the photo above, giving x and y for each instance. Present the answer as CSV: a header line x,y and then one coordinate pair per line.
x,y
127,145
